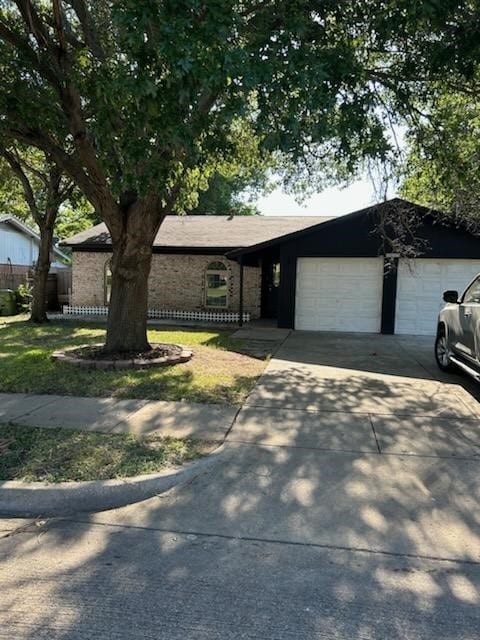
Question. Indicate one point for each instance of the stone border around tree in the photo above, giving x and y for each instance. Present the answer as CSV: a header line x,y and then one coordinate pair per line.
x,y
38,499
65,355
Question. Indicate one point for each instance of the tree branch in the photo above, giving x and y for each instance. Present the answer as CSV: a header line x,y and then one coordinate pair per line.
x,y
26,165
56,73
21,44
24,181
34,23
89,32
70,164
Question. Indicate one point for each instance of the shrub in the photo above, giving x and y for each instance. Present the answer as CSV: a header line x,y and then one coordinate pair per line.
x,y
24,296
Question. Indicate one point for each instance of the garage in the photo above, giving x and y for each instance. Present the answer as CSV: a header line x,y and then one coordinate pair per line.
x,y
420,285
339,294
353,274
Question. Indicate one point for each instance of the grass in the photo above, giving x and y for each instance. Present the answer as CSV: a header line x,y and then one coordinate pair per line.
x,y
219,372
59,455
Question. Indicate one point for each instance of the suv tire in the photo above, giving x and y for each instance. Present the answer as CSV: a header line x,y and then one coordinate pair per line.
x,y
442,352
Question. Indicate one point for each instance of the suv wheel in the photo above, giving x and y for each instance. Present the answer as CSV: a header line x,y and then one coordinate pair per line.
x,y
442,353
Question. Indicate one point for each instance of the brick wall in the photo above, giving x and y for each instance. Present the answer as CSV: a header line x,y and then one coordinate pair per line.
x,y
177,282
88,270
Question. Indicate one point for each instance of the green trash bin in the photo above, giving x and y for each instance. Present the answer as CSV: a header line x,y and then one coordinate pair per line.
x,y
8,302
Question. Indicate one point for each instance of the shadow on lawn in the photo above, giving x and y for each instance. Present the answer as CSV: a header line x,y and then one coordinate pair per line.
x,y
25,365
275,543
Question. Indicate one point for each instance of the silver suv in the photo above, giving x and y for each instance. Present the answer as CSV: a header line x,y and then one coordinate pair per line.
x,y
458,331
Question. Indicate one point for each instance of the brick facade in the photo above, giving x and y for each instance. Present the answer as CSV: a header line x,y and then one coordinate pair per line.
x,y
177,282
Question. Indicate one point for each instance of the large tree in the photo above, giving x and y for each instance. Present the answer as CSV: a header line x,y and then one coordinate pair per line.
x,y
75,215
137,100
442,168
235,183
45,188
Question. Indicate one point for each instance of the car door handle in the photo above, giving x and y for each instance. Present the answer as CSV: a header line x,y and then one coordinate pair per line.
x,y
467,313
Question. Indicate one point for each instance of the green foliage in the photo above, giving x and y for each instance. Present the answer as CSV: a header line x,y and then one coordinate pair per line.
x,y
217,373
74,217
140,101
149,92
443,164
225,196
12,199
237,180
75,214
24,296
33,454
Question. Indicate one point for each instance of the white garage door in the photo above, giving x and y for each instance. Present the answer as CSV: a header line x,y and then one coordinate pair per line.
x,y
420,286
339,294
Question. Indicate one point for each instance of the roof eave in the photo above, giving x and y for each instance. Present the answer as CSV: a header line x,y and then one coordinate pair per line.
x,y
29,232
237,253
93,247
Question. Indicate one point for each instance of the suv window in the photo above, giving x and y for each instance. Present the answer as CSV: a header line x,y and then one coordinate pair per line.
x,y
472,294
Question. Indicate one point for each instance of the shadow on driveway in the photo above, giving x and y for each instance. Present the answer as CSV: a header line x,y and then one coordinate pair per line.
x,y
319,536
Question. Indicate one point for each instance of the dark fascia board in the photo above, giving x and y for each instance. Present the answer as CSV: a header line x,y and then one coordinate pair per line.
x,y
235,254
107,248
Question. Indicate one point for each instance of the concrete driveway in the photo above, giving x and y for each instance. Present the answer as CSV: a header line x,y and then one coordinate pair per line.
x,y
347,507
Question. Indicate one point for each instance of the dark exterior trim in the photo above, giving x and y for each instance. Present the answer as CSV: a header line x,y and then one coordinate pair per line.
x,y
295,235
287,291
389,295
204,251
332,222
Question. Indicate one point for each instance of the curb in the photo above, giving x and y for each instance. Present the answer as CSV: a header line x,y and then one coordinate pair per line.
x,y
33,499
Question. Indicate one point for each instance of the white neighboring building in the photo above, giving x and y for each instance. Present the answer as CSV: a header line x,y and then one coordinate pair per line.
x,y
19,245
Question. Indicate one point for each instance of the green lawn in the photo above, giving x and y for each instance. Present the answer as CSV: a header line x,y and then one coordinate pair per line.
x,y
58,455
219,372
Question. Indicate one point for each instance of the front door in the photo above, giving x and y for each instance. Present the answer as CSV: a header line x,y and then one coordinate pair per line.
x,y
270,288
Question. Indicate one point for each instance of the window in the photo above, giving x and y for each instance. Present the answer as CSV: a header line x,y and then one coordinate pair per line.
x,y
276,275
107,281
216,285
472,294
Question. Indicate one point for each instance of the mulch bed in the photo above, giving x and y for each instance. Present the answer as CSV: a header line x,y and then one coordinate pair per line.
x,y
98,353
95,357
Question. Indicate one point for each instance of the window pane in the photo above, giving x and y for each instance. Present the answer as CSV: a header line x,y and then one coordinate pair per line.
x,y
473,293
216,290
276,274
108,283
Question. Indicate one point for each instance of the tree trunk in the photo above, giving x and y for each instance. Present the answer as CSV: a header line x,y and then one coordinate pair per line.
x,y
42,268
131,262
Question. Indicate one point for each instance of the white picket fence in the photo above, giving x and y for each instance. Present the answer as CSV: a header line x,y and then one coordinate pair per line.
x,y
164,314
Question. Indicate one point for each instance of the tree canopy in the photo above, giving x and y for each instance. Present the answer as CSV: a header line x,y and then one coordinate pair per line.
x,y
138,101
144,92
74,214
443,163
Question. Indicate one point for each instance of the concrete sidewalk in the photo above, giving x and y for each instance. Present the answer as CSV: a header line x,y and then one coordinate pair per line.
x,y
112,415
346,506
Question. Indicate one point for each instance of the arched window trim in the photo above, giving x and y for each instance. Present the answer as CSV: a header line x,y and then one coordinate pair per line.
x,y
217,265
220,269
107,281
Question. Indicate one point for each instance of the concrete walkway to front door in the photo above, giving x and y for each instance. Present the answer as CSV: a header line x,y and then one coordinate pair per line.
x,y
347,507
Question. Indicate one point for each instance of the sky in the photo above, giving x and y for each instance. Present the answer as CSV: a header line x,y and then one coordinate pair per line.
x,y
334,201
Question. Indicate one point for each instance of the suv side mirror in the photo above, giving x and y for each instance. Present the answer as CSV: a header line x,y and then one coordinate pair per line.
x,y
450,296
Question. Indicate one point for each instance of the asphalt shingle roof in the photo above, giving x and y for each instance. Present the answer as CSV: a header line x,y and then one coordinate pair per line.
x,y
228,232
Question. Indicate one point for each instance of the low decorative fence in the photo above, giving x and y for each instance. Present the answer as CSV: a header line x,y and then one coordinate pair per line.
x,y
164,314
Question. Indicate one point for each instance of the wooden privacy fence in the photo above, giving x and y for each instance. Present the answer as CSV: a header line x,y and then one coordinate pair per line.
x,y
58,288
64,285
11,276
